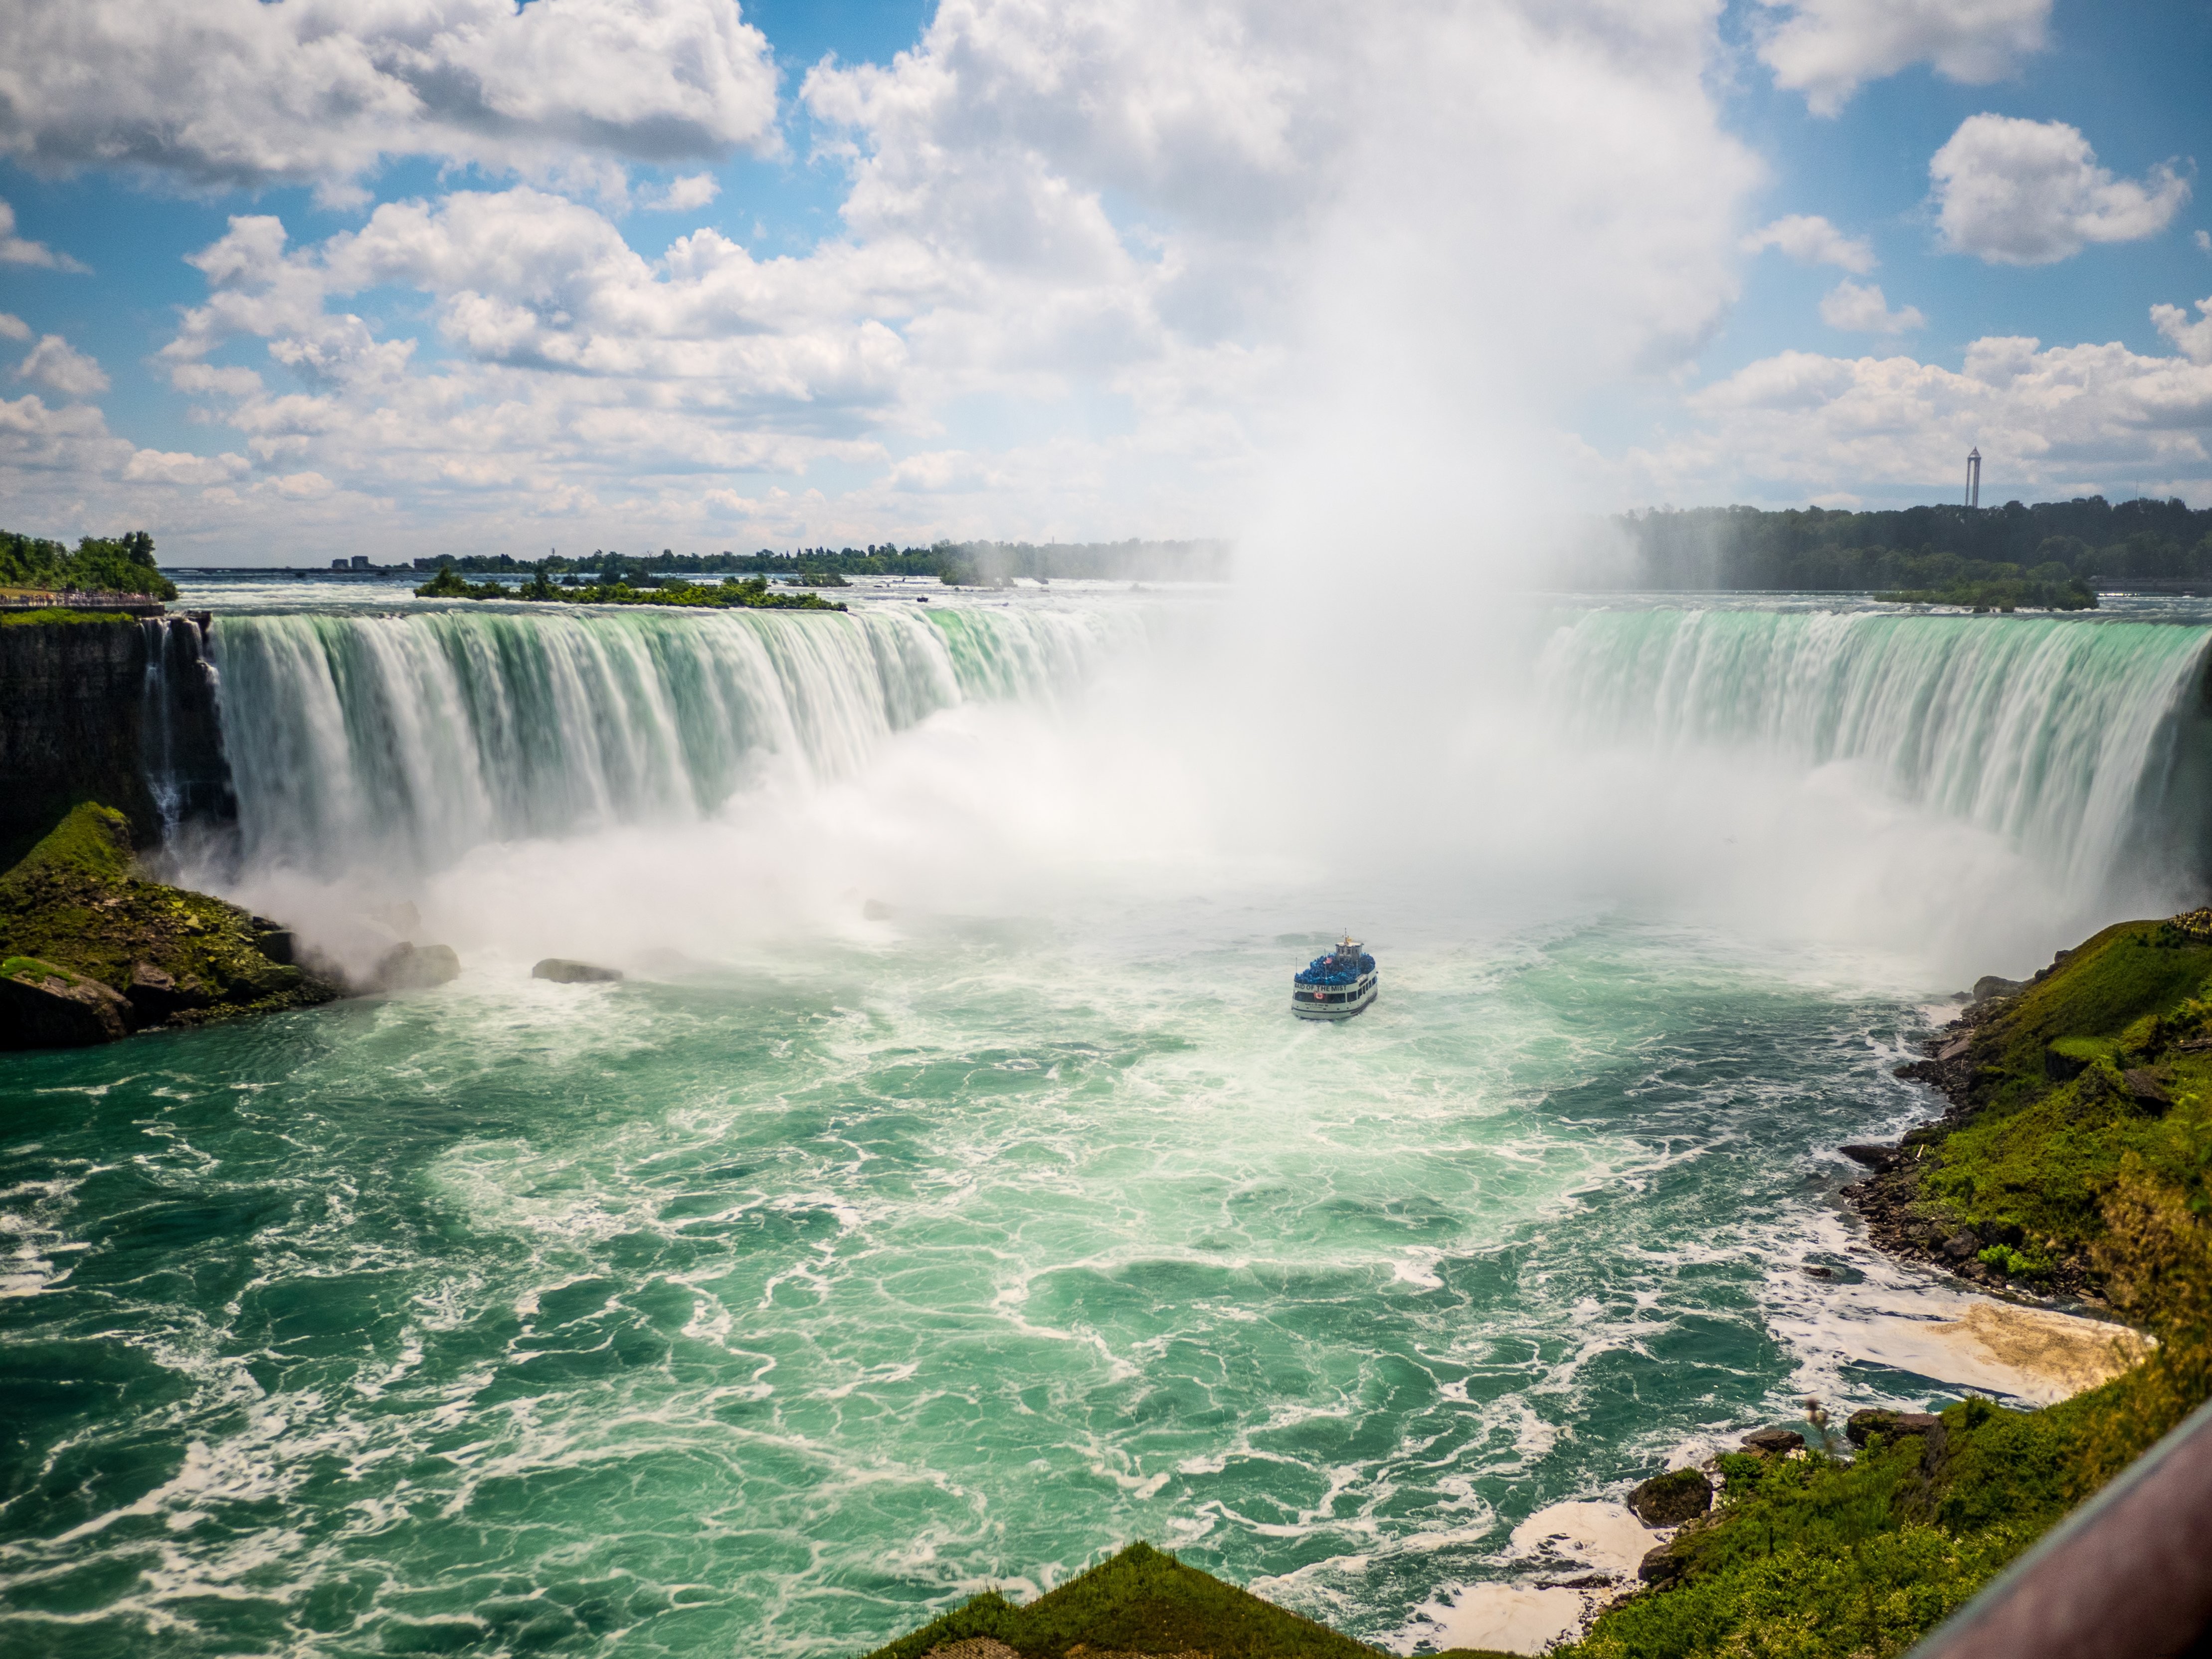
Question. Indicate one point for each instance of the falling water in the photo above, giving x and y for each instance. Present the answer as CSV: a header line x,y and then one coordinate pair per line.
x,y
2068,737
408,740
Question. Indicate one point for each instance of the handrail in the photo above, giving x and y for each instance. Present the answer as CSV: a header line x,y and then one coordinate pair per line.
x,y
2127,1576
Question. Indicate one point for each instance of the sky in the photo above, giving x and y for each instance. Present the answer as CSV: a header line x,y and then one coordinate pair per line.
x,y
284,281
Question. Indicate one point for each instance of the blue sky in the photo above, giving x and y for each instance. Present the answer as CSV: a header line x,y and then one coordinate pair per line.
x,y
634,272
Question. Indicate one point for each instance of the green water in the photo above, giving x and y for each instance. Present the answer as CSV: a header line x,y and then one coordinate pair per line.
x,y
734,1317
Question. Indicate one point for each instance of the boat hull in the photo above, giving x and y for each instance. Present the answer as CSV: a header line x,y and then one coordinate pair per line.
x,y
1354,1001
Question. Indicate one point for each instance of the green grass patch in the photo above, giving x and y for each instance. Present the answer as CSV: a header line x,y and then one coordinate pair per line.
x,y
54,615
1142,1601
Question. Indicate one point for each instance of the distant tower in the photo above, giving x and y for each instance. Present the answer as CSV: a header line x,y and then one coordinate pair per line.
x,y
1974,477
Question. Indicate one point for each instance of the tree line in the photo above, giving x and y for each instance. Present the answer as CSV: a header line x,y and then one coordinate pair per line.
x,y
99,564
954,562
2087,540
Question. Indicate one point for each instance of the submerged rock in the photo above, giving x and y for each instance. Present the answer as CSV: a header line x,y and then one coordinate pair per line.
x,y
563,970
416,968
93,951
1669,1499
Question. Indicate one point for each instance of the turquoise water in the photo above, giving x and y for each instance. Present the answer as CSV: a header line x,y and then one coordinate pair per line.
x,y
708,1318
958,1202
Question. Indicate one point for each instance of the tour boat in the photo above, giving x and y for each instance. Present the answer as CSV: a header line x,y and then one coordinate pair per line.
x,y
1336,986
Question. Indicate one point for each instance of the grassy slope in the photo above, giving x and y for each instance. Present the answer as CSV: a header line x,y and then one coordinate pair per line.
x,y
2032,1166
1142,1601
76,899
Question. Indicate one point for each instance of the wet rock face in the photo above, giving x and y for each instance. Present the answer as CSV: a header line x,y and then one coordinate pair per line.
x,y
1670,1499
106,711
45,1007
70,724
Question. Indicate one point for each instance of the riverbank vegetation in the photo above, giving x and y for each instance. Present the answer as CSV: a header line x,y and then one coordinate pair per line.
x,y
754,594
2076,1153
110,564
1915,549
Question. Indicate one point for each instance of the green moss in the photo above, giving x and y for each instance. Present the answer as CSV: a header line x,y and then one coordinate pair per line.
x,y
77,899
1142,1601
2127,971
93,843
2054,1113
57,617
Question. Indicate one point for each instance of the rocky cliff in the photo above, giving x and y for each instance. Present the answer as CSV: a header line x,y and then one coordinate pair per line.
x,y
111,709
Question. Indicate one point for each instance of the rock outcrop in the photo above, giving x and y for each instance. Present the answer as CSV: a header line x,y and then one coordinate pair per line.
x,y
562,970
121,711
1670,1499
411,966
90,951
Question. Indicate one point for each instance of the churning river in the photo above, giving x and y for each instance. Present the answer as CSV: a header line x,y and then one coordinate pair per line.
x,y
946,1197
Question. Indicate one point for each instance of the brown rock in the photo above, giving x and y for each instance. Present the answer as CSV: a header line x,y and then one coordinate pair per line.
x,y
1669,1499
2145,1090
1773,1443
1662,1566
562,970
1887,1423
416,968
43,1006
155,994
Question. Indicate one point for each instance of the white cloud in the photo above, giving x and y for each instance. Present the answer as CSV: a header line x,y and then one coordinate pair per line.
x,y
1197,237
15,251
2049,419
683,195
2018,193
2204,241
1810,240
12,327
220,93
54,364
1827,49
1861,308
2193,340
184,470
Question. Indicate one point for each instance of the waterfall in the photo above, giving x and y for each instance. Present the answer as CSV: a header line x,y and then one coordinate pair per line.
x,y
2080,741
402,741
180,744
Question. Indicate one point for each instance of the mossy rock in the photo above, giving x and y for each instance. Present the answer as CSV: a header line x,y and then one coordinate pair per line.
x,y
1142,1601
1670,1499
173,956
